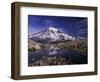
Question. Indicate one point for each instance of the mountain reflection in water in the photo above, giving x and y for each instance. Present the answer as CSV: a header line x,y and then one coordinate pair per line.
x,y
67,56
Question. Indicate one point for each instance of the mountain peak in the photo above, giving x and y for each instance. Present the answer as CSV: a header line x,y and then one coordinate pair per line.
x,y
52,34
53,29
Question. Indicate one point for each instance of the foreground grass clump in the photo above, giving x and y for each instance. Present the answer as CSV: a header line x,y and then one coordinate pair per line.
x,y
45,61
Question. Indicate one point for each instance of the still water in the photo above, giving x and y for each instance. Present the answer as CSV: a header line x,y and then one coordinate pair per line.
x,y
76,56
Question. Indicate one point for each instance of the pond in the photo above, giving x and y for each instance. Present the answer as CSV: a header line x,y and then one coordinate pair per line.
x,y
75,57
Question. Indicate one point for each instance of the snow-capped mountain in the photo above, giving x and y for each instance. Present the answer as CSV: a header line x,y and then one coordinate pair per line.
x,y
52,34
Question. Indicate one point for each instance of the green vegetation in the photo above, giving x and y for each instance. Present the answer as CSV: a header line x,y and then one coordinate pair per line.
x,y
73,45
33,49
80,46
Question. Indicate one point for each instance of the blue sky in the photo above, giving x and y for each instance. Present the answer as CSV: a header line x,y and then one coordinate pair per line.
x,y
74,26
